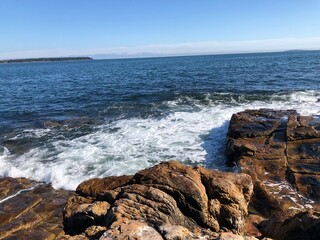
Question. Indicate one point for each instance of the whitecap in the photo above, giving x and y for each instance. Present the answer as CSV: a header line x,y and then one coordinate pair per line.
x,y
194,134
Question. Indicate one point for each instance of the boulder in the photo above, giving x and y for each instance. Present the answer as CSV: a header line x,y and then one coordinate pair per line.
x,y
167,201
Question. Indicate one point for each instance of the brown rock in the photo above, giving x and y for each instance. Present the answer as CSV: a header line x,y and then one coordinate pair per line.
x,y
139,202
252,225
169,198
76,237
302,127
97,188
30,210
95,232
236,191
304,225
81,212
256,123
281,152
131,230
173,232
232,236
10,186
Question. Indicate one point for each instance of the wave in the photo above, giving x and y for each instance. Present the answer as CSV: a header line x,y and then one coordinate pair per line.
x,y
192,130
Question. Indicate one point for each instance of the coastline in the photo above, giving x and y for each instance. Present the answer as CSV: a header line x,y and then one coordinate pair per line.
x,y
171,200
56,59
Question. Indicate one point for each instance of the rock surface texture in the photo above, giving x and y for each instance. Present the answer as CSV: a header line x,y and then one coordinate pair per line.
x,y
276,195
30,210
280,150
167,201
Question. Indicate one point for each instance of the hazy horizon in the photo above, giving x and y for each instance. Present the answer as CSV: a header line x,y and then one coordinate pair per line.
x,y
145,55
122,29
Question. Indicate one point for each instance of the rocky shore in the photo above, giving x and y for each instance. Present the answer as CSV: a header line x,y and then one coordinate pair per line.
x,y
280,150
276,195
30,210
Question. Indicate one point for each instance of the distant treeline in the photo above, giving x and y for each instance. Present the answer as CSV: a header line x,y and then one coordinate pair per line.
x,y
58,59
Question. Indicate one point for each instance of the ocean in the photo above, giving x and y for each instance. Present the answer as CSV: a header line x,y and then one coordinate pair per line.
x,y
65,122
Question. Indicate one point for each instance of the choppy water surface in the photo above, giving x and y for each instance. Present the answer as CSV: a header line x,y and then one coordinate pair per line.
x,y
65,122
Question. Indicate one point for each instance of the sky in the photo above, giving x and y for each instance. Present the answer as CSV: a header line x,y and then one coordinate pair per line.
x,y
125,28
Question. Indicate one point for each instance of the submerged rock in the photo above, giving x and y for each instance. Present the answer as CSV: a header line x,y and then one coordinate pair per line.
x,y
71,123
167,201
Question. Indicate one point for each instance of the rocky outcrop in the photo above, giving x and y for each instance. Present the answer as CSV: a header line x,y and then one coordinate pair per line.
x,y
277,195
30,210
280,150
167,201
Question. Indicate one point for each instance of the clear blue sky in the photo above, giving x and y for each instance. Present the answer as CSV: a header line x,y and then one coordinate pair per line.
x,y
39,28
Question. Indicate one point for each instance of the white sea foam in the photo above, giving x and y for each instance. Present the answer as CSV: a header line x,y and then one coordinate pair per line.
x,y
192,134
18,193
32,133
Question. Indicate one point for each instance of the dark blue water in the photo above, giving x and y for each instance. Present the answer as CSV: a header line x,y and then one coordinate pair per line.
x,y
34,92
47,110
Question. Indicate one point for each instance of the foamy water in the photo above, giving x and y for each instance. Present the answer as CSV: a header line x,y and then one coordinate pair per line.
x,y
192,133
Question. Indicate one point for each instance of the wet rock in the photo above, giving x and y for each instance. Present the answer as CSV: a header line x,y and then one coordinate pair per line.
x,y
280,150
18,146
256,123
52,124
29,210
10,186
302,127
71,123
166,201
304,225
281,153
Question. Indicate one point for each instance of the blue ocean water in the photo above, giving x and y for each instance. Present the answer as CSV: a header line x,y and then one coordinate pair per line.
x,y
64,122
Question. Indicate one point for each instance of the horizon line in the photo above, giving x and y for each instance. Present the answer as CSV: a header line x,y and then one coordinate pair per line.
x,y
141,56
198,54
174,49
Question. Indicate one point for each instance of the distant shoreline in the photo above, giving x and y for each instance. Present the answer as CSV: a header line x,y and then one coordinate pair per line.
x,y
118,57
56,59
